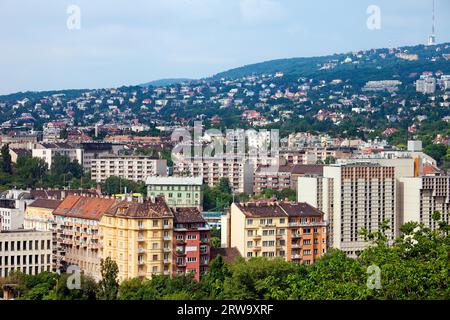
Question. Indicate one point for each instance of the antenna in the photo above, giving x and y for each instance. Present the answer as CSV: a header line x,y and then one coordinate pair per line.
x,y
432,37
433,26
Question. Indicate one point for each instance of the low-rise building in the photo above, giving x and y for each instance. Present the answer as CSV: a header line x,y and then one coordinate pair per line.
x,y
179,192
27,251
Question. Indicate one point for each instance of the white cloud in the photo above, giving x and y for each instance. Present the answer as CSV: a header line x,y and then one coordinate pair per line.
x,y
259,11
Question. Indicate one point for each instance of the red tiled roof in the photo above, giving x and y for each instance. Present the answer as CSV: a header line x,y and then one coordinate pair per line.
x,y
148,209
91,208
187,215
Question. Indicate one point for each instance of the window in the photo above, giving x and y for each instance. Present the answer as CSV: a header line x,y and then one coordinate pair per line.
x,y
249,221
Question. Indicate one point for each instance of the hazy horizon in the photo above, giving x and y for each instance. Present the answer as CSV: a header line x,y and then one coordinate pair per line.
x,y
122,44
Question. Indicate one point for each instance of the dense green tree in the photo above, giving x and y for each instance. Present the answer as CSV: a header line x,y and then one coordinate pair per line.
x,y
6,159
108,287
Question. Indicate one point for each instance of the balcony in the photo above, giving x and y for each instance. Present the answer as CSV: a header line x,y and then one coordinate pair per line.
x,y
295,257
296,235
141,250
295,246
257,248
166,261
167,238
141,263
166,273
141,239
167,250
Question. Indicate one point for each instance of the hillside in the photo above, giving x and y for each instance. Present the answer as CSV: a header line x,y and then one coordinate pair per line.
x,y
360,66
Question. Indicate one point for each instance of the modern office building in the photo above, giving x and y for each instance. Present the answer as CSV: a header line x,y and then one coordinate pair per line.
x,y
293,231
138,236
135,168
27,251
353,197
179,192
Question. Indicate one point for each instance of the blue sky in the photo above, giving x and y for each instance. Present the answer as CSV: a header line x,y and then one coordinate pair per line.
x,y
125,42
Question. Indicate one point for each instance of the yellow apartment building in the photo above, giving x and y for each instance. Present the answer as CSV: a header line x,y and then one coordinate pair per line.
x,y
138,236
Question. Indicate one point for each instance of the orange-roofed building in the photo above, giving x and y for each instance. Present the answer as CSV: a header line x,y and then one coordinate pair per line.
x,y
78,218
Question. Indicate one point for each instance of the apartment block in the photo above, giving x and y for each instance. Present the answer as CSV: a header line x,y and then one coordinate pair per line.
x,y
13,204
293,231
353,197
420,197
179,192
47,152
135,168
238,171
139,237
39,216
282,177
78,220
27,251
191,235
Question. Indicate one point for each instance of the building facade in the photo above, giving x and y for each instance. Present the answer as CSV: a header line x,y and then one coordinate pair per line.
x,y
78,228
293,231
27,251
135,168
353,197
420,197
139,237
47,152
238,172
191,236
179,192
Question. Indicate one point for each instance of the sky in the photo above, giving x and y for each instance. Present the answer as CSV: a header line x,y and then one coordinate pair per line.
x,y
128,42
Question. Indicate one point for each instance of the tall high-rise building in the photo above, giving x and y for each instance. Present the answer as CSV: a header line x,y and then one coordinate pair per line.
x,y
353,196
420,197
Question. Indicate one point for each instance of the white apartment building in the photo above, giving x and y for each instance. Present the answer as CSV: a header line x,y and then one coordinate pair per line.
x,y
25,250
135,168
13,204
238,171
426,85
353,197
420,197
48,151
